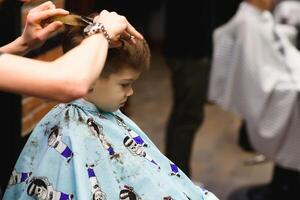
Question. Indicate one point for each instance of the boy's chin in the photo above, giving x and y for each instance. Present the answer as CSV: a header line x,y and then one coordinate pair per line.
x,y
110,109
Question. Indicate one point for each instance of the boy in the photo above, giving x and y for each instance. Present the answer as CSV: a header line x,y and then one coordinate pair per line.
x,y
88,149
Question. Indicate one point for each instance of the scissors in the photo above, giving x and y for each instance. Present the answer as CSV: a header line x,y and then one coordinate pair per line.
x,y
87,20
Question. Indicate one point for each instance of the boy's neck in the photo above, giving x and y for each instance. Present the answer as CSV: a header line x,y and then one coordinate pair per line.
x,y
86,99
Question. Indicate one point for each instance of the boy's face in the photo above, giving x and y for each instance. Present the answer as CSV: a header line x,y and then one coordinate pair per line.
x,y
111,93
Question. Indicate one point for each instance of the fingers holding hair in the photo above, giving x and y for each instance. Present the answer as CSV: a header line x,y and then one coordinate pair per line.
x,y
39,16
49,29
127,37
36,32
133,32
117,27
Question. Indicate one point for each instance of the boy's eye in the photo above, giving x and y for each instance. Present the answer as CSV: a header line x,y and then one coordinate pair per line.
x,y
125,84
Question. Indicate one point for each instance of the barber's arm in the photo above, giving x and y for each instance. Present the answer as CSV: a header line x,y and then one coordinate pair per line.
x,y
70,76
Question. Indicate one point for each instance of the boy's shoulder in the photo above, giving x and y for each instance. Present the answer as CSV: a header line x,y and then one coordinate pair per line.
x,y
84,112
68,112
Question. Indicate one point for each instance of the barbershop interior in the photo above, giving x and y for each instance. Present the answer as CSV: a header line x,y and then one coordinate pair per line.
x,y
238,140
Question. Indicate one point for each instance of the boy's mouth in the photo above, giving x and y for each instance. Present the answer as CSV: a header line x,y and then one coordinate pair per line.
x,y
123,103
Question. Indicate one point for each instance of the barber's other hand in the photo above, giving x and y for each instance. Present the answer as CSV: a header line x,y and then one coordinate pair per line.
x,y
34,34
117,25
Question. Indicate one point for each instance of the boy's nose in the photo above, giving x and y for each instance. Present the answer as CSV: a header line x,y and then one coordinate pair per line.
x,y
129,92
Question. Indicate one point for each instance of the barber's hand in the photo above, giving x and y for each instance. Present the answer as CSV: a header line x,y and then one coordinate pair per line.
x,y
117,26
34,34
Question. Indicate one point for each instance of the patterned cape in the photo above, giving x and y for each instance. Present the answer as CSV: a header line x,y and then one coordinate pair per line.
x,y
79,152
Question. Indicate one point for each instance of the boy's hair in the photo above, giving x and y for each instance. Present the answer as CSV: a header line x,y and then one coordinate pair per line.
x,y
136,56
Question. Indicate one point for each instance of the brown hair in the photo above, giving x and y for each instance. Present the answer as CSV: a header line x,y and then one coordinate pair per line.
x,y
136,56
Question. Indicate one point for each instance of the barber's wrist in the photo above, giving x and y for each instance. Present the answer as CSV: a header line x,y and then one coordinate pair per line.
x,y
96,28
96,38
17,47
24,46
